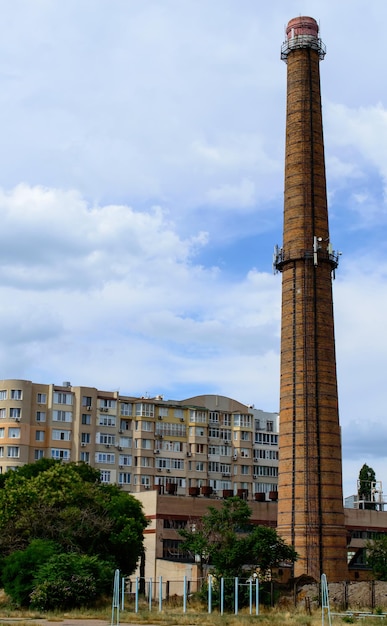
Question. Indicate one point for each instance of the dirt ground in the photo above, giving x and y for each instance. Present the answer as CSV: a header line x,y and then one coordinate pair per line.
x,y
369,595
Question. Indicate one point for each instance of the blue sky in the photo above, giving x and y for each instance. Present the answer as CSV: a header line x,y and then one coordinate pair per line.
x,y
141,194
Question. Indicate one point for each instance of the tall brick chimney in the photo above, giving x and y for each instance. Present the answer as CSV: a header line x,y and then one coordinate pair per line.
x,y
310,498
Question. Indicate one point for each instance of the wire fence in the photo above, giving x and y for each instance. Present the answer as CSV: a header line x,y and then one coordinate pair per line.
x,y
155,593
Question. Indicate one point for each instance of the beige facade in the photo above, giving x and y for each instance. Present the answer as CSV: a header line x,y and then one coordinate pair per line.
x,y
201,446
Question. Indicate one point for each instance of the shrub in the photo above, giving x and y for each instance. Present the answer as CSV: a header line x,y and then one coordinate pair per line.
x,y
20,567
69,581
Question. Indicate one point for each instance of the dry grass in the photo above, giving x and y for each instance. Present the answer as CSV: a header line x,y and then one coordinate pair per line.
x,y
196,615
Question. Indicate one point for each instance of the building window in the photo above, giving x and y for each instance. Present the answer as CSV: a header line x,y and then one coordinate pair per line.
x,y
60,454
126,408
105,439
146,444
2,433
86,419
107,420
40,416
63,398
125,459
172,446
38,454
105,457
176,524
262,470
85,457
124,478
3,413
269,427
163,411
15,413
266,454
13,452
16,394
1,452
265,438
3,394
173,551
245,469
126,442
106,403
61,435
169,429
41,398
87,401
144,409
39,435
242,420
14,433
85,437
62,416
105,476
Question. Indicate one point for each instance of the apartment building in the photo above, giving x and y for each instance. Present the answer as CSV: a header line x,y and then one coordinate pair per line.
x,y
201,446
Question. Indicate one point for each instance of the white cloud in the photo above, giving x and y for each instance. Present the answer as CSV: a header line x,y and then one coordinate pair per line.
x,y
226,196
109,282
362,134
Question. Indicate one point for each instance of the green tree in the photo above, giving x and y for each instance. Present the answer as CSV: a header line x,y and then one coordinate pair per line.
x,y
366,483
64,503
233,546
29,470
376,557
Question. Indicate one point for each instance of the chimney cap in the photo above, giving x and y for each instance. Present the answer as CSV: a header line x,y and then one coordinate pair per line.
x,y
302,25
302,32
